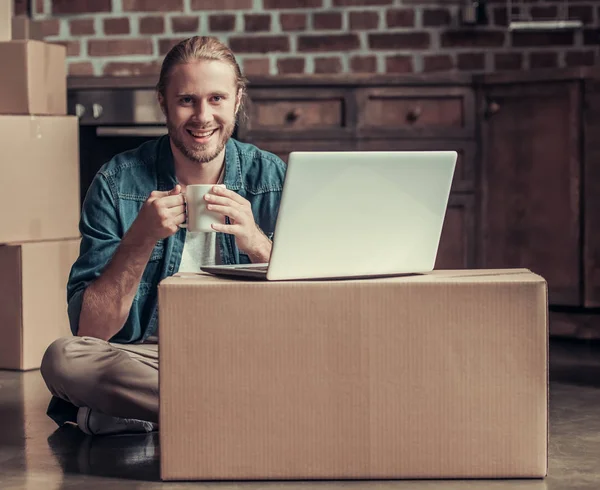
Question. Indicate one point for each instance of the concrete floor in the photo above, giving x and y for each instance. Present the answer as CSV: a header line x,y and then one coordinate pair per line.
x,y
34,455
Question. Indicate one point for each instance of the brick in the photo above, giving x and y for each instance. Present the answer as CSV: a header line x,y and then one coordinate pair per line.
x,y
259,44
437,62
73,47
584,13
292,4
152,5
152,25
336,42
20,7
591,36
352,3
546,12
80,68
508,61
403,40
82,27
522,39
328,20
363,64
543,60
400,18
328,65
256,66
364,20
436,17
165,45
40,7
221,22
293,22
80,6
116,26
399,64
257,22
579,58
48,27
127,69
471,39
471,61
222,5
119,47
286,66
185,24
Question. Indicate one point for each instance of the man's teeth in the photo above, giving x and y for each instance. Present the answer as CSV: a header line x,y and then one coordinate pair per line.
x,y
203,134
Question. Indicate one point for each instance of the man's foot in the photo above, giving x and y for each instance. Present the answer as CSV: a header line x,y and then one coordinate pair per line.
x,y
95,423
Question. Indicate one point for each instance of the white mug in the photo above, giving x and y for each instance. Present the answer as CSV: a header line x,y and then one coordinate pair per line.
x,y
198,217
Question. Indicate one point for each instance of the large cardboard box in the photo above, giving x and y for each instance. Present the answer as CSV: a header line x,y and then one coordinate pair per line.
x,y
33,306
39,171
6,12
441,375
36,82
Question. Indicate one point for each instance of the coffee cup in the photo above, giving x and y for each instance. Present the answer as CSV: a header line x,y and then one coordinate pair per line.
x,y
198,217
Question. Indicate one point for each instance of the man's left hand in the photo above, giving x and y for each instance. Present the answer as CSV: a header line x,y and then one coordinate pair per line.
x,y
248,236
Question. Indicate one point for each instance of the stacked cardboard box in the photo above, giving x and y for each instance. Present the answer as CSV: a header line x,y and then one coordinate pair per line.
x,y
39,202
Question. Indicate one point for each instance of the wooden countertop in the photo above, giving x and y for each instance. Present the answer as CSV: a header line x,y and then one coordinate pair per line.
x,y
149,82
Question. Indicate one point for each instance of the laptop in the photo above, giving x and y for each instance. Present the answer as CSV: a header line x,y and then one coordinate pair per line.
x,y
355,215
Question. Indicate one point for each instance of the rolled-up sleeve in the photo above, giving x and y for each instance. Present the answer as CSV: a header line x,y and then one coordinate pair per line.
x,y
101,233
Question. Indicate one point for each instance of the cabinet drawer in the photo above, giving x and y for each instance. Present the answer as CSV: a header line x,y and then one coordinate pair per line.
x,y
464,173
441,112
316,113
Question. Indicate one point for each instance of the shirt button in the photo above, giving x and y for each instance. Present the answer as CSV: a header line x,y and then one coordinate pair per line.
x,y
171,268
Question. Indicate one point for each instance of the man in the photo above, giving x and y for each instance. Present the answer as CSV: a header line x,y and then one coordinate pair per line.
x,y
106,377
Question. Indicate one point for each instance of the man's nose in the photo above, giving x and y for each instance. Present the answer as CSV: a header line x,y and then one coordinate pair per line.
x,y
203,112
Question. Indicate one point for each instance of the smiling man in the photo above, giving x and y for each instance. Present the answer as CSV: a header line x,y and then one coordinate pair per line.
x,y
105,377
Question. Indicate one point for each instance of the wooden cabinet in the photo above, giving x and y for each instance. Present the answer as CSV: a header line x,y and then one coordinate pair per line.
x,y
540,187
526,191
377,114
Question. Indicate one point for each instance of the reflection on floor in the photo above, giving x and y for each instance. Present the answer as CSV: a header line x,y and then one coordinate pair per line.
x,y
34,454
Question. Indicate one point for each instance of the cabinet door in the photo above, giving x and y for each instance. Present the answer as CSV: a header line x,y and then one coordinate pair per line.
x,y
591,193
531,181
456,249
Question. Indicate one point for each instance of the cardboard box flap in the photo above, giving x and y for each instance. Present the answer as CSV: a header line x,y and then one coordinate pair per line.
x,y
449,276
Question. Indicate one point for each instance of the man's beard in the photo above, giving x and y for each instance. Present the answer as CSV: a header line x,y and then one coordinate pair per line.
x,y
199,153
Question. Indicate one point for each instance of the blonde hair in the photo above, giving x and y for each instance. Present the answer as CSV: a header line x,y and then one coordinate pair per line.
x,y
201,48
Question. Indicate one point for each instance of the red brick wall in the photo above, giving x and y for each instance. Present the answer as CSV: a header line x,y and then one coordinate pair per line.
x,y
124,37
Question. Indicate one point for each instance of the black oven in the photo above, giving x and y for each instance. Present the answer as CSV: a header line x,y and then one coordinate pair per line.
x,y
112,121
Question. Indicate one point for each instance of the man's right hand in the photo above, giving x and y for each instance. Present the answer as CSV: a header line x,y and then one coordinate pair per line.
x,y
160,216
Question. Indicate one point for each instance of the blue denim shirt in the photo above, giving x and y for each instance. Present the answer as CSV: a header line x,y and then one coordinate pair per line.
x,y
113,202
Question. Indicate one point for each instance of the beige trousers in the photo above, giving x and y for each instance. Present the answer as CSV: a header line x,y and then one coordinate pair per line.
x,y
120,380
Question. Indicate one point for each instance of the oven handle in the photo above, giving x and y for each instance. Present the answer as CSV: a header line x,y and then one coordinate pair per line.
x,y
131,131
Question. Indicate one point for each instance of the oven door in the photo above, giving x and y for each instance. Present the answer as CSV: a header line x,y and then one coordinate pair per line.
x,y
98,144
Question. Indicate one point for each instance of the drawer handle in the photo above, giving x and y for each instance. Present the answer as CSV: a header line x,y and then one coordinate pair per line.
x,y
293,115
492,108
414,114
